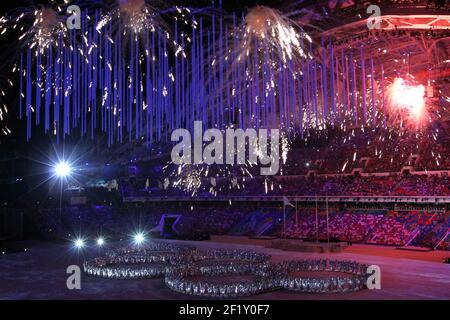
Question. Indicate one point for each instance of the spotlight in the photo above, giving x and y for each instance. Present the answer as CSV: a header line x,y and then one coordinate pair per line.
x,y
79,243
100,242
139,238
63,169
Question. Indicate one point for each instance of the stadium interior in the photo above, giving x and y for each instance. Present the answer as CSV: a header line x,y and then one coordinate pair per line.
x,y
364,123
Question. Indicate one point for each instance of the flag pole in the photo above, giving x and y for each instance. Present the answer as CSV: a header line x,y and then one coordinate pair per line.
x,y
328,231
317,221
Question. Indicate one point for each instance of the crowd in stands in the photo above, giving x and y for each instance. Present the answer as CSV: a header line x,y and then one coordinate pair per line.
x,y
371,151
118,222
391,231
439,237
211,220
445,245
391,185
422,186
307,225
94,220
350,226
353,226
370,226
322,164
316,166
373,226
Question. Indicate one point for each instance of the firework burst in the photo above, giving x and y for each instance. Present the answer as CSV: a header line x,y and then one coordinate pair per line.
x,y
194,179
406,103
270,27
250,62
138,16
38,27
133,15
47,28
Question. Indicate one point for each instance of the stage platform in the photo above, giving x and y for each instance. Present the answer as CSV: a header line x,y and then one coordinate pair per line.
x,y
411,248
263,238
303,246
359,249
284,244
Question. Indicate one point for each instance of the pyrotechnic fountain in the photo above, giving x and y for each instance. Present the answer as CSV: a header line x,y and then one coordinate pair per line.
x,y
134,75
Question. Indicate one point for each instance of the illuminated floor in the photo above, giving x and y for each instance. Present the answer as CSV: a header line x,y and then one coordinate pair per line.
x,y
40,273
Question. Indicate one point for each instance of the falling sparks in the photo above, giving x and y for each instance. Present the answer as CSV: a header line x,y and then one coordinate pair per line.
x,y
254,76
279,32
47,28
407,98
137,15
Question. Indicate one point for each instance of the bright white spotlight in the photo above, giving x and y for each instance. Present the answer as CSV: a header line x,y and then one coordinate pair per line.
x,y
139,238
79,243
100,242
410,98
63,169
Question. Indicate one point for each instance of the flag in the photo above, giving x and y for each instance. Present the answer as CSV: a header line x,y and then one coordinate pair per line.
x,y
287,203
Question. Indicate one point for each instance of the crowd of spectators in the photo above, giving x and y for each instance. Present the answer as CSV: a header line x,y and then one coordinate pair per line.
x,y
368,226
119,222
445,245
349,226
372,226
94,220
306,225
330,185
353,226
321,165
422,186
397,227
211,220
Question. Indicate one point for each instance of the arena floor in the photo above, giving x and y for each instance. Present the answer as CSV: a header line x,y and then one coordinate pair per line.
x,y
40,273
